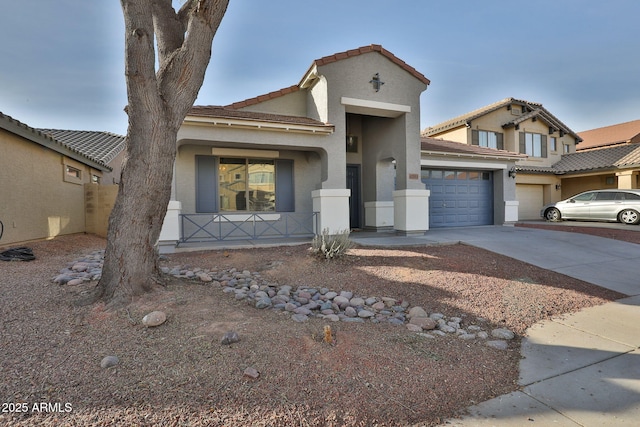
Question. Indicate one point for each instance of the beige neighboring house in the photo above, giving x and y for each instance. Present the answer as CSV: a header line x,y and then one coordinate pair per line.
x,y
43,178
106,147
607,158
524,128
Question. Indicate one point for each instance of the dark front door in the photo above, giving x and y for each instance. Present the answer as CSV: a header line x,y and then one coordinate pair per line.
x,y
353,184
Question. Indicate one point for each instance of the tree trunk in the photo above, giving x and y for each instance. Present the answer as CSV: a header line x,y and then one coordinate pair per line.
x,y
158,103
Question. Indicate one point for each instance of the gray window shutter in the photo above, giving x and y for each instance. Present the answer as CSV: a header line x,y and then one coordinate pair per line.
x,y
285,201
475,138
543,140
206,184
523,148
500,141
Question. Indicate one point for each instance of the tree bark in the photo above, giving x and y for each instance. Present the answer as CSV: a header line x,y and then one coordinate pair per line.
x,y
158,101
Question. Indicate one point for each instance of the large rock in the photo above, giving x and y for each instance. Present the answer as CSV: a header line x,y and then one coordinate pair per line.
x,y
503,334
230,338
425,323
109,361
155,318
417,312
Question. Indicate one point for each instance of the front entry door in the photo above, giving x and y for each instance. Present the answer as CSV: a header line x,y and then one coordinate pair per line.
x,y
353,184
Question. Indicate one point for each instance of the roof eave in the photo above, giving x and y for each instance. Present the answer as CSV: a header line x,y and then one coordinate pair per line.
x,y
20,129
226,122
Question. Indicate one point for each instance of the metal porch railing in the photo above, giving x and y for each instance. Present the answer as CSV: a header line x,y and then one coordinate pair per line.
x,y
242,226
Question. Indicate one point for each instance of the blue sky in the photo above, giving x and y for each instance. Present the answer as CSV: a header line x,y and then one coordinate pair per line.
x,y
62,62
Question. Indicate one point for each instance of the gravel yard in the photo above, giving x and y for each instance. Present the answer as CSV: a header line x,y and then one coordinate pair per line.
x,y
180,374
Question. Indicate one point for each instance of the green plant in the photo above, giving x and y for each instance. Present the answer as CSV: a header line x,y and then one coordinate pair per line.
x,y
331,246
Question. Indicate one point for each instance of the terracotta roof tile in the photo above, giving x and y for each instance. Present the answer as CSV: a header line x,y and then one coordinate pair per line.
x,y
231,113
261,98
328,60
452,147
373,48
622,133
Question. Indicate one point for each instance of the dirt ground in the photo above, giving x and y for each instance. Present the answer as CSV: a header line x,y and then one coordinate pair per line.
x,y
180,374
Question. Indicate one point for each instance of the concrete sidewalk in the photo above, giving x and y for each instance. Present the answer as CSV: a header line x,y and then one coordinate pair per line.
x,y
581,369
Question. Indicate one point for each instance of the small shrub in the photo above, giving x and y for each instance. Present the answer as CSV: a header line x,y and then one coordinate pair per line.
x,y
331,246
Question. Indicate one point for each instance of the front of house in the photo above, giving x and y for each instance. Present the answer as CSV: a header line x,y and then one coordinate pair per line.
x,y
340,150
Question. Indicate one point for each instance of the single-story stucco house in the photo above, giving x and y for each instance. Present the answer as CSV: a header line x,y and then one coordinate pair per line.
x,y
44,176
339,150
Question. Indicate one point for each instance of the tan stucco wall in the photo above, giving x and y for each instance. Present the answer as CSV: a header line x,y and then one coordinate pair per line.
x,y
113,177
35,200
99,201
493,122
574,185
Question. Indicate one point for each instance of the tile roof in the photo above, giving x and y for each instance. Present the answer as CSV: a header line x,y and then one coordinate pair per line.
x,y
231,113
102,146
37,136
262,98
328,60
616,157
622,133
372,48
534,110
436,145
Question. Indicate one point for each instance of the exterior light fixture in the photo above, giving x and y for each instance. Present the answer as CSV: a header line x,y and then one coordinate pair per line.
x,y
376,82
512,172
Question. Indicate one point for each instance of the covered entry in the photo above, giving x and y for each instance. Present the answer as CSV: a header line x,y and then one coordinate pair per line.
x,y
459,197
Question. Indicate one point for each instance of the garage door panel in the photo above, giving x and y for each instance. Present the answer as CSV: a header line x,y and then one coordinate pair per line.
x,y
459,198
531,200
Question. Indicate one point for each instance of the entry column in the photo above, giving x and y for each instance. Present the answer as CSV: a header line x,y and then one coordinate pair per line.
x,y
332,206
411,211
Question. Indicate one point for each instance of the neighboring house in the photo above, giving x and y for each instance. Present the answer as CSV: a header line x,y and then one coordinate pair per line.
x,y
522,127
339,150
42,195
607,157
106,147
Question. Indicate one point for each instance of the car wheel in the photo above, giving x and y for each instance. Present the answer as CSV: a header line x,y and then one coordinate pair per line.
x,y
629,216
552,214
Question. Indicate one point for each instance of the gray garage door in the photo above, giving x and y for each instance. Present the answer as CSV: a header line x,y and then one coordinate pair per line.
x,y
459,197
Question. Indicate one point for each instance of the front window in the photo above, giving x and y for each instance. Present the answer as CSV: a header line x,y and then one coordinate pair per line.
x,y
487,139
247,184
553,143
533,144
